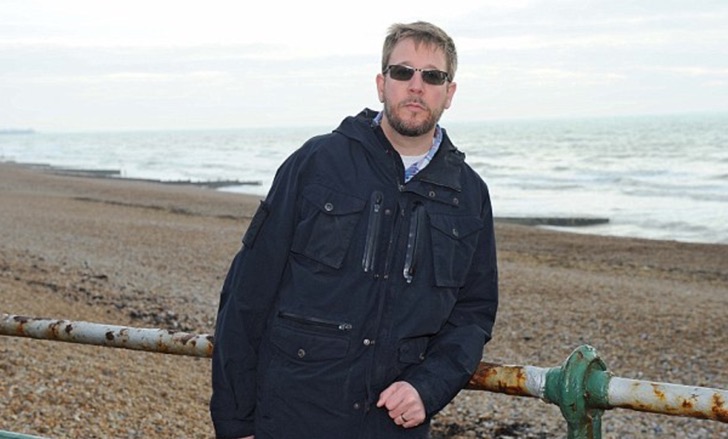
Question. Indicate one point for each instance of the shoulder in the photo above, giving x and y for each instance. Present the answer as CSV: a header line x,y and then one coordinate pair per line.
x,y
323,143
323,155
471,181
456,157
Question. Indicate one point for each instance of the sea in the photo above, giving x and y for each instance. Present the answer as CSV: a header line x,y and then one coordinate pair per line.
x,y
655,177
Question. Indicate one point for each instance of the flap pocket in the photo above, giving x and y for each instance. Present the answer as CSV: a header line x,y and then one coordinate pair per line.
x,y
332,202
306,346
456,227
327,226
413,351
454,239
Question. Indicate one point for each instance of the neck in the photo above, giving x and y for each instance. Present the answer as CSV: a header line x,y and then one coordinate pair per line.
x,y
408,145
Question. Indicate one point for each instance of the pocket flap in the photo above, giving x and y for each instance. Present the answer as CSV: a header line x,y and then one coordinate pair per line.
x,y
305,346
456,227
332,202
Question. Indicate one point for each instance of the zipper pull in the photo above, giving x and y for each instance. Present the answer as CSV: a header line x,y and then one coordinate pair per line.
x,y
413,238
373,230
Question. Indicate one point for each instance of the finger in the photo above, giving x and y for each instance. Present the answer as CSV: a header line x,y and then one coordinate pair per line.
x,y
407,422
384,396
401,420
390,397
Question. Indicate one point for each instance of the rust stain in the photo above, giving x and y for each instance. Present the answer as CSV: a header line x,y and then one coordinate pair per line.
x,y
210,345
510,380
718,408
162,347
109,335
21,321
658,393
53,329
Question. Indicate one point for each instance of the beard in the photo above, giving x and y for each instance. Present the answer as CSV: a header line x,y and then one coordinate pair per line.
x,y
411,128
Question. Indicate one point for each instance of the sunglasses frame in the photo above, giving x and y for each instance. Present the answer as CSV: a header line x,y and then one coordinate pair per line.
x,y
429,76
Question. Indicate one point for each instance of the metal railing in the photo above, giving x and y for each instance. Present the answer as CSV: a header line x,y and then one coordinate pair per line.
x,y
582,386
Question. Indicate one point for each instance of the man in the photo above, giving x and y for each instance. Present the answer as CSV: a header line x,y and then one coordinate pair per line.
x,y
366,286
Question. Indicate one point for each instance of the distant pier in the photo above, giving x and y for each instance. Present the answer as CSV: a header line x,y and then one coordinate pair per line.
x,y
553,221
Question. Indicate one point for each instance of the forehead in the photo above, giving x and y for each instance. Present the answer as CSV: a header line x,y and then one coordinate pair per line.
x,y
408,51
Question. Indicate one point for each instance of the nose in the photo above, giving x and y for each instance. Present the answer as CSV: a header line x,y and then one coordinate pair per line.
x,y
416,85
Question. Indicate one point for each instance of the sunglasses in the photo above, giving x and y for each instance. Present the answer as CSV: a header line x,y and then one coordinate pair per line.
x,y
405,73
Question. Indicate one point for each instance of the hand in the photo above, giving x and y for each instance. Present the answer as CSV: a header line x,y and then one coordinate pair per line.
x,y
403,403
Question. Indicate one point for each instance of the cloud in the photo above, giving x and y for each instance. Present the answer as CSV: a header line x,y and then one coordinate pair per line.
x,y
107,62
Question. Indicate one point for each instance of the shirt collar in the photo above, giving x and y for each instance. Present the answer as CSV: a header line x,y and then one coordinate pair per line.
x,y
419,165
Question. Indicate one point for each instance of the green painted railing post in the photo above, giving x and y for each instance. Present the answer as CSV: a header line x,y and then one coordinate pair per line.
x,y
579,387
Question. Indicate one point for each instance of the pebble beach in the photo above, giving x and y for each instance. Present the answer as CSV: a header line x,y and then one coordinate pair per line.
x,y
148,254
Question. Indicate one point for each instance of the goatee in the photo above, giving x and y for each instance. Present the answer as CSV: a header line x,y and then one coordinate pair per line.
x,y
412,129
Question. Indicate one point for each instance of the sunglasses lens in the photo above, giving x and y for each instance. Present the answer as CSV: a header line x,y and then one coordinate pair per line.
x,y
401,73
434,77
404,73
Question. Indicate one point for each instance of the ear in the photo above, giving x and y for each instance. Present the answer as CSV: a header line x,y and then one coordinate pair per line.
x,y
380,86
451,87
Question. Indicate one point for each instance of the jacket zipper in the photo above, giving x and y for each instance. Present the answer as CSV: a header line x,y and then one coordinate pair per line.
x,y
372,238
413,238
313,321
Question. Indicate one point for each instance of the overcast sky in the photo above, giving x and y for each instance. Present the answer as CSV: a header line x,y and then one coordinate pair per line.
x,y
152,64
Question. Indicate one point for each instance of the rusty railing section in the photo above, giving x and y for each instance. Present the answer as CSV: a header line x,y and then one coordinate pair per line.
x,y
581,387
140,339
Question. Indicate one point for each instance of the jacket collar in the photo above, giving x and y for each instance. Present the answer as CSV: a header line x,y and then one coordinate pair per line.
x,y
444,169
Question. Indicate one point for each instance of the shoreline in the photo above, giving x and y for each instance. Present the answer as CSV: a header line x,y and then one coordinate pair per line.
x,y
152,255
560,221
592,225
572,224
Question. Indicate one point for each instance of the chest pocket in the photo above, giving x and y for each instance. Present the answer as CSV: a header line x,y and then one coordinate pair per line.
x,y
454,239
327,226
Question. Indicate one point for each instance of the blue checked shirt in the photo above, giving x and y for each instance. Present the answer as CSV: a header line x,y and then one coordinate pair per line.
x,y
419,165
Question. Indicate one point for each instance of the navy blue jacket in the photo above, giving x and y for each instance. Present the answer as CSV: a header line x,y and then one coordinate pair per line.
x,y
348,280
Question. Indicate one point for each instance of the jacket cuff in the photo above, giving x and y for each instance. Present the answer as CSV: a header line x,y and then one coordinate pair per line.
x,y
233,428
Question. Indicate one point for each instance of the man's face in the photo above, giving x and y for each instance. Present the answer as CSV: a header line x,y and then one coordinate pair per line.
x,y
413,107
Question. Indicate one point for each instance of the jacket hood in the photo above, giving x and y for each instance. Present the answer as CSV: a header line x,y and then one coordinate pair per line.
x,y
445,168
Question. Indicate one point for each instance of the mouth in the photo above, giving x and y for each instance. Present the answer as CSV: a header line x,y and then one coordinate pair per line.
x,y
414,106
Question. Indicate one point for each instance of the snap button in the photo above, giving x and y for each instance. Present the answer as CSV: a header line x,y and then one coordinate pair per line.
x,y
455,232
455,201
432,194
357,406
368,342
301,353
328,207
422,356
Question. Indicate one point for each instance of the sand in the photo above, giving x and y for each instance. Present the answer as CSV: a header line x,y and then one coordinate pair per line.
x,y
154,255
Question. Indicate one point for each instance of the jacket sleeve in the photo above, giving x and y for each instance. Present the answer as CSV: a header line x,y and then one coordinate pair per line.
x,y
455,352
247,295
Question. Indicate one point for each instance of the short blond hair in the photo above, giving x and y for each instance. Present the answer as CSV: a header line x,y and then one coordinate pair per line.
x,y
422,33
